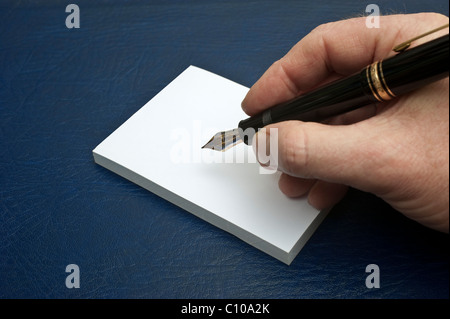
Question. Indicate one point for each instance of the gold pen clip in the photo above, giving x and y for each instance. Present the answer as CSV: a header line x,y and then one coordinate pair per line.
x,y
404,45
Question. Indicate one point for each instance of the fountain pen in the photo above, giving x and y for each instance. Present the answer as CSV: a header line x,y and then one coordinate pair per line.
x,y
380,81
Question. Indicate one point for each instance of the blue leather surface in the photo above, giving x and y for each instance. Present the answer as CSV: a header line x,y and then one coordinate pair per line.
x,y
63,91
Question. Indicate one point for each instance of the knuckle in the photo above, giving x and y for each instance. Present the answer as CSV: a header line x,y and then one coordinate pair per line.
x,y
328,27
322,28
294,150
277,66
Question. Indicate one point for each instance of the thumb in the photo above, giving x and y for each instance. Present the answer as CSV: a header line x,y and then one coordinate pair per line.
x,y
353,155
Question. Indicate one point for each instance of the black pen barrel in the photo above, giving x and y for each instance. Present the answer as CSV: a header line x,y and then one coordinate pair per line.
x,y
417,67
336,98
379,82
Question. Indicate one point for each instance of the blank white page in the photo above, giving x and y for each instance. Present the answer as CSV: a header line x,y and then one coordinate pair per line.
x,y
159,148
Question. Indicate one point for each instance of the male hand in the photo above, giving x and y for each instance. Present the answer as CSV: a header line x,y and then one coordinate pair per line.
x,y
397,150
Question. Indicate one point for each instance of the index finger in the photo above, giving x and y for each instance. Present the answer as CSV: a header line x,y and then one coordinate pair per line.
x,y
332,51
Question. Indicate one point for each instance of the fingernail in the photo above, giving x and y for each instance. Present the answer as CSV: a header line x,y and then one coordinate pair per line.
x,y
243,104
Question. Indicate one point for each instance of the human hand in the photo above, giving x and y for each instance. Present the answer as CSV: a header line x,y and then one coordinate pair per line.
x,y
398,150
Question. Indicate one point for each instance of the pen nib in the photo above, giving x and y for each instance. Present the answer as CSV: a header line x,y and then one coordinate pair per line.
x,y
223,141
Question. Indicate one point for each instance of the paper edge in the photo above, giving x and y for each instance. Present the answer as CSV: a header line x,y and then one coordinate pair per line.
x,y
219,222
310,230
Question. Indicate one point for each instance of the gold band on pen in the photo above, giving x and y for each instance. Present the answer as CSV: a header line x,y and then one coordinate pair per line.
x,y
368,76
377,82
391,94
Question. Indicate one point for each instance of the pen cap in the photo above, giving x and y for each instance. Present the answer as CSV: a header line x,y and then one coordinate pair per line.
x,y
417,67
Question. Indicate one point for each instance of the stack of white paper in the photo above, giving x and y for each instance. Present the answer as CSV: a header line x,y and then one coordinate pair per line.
x,y
159,148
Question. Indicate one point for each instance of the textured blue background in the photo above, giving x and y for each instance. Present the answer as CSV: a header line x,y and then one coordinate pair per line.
x,y
63,91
